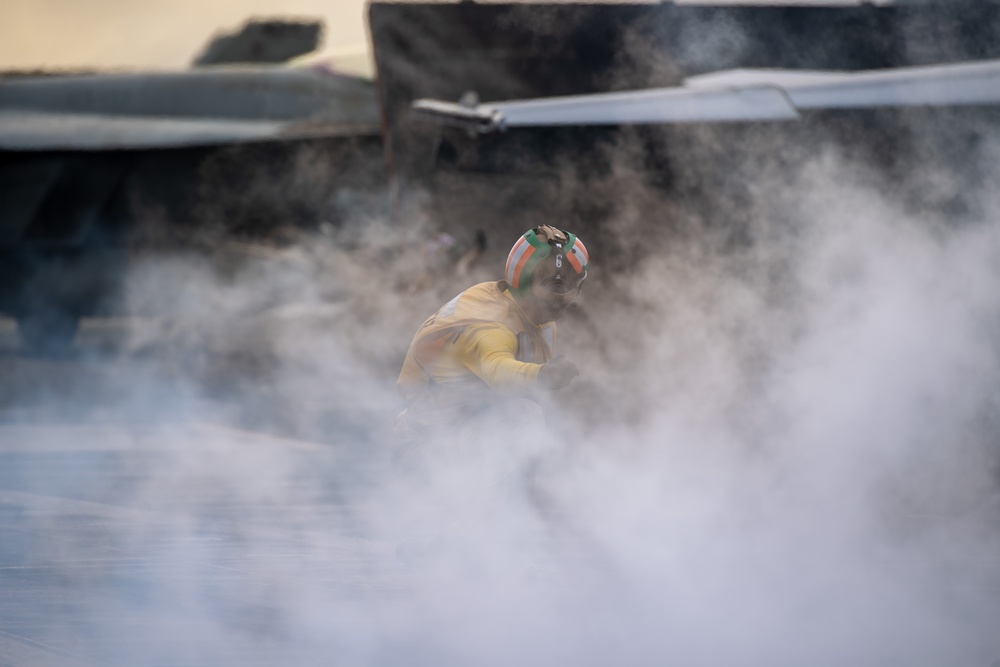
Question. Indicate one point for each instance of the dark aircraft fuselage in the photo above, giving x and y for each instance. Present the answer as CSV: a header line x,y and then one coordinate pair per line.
x,y
509,180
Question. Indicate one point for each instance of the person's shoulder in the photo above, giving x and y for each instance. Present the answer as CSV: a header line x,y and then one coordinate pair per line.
x,y
487,292
484,301
490,287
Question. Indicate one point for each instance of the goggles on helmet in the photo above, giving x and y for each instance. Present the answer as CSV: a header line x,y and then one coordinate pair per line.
x,y
559,258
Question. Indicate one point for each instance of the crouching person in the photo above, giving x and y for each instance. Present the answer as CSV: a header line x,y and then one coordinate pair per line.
x,y
474,371
473,431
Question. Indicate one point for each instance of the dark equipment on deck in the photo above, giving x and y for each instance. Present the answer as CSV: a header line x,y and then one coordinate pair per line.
x,y
547,95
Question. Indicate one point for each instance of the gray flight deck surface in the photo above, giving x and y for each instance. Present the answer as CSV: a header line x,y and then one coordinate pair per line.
x,y
132,539
153,515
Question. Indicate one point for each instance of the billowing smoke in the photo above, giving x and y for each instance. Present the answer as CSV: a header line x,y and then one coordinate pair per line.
x,y
782,449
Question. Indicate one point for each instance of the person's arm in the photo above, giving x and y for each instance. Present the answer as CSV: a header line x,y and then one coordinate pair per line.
x,y
489,351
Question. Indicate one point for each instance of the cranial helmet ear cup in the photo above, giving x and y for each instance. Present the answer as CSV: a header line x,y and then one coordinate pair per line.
x,y
577,255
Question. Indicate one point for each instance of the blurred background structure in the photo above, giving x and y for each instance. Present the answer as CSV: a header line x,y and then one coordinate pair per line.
x,y
159,35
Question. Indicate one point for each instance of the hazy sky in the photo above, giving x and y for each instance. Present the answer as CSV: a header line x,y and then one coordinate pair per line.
x,y
164,34
150,34
169,33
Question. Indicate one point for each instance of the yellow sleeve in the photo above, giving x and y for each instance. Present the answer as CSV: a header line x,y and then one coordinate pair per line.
x,y
489,350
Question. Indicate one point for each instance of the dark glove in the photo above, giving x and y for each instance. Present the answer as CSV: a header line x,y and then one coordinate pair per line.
x,y
557,373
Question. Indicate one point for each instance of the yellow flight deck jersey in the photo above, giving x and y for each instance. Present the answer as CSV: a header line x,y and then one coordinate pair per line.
x,y
479,343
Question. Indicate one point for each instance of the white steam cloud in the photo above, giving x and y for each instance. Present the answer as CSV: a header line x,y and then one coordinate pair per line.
x,y
782,451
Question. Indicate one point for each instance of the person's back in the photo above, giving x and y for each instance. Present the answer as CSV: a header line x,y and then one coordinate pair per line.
x,y
479,343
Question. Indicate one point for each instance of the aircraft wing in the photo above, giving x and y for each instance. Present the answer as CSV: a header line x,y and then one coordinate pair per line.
x,y
41,131
125,111
736,95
